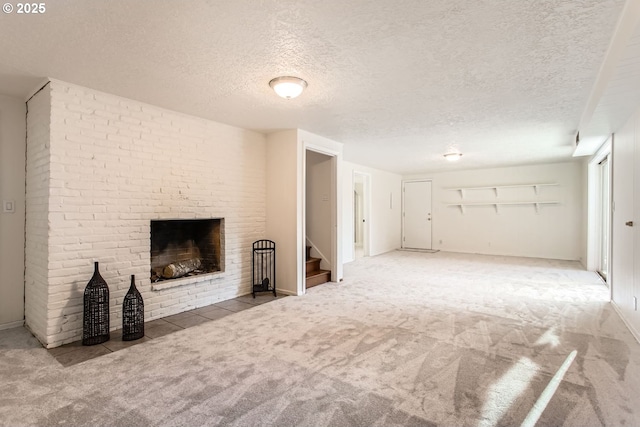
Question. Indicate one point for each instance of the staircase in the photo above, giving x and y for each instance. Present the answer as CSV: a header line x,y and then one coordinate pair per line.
x,y
315,276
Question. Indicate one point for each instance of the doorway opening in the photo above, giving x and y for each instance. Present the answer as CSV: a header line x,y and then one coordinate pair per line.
x,y
604,222
321,209
599,212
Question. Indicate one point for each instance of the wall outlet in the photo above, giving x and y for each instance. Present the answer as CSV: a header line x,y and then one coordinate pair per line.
x,y
8,206
440,241
635,303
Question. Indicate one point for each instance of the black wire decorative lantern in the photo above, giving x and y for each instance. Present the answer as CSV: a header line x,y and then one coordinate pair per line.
x,y
95,325
132,313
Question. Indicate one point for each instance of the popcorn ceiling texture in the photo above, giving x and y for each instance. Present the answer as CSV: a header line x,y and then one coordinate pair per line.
x,y
106,168
396,81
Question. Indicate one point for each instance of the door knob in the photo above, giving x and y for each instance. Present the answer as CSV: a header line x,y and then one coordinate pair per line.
x,y
629,223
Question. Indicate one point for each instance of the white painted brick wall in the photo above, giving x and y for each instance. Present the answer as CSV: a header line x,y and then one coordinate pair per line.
x,y
116,164
37,210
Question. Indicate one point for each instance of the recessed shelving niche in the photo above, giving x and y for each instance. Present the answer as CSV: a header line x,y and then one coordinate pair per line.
x,y
462,205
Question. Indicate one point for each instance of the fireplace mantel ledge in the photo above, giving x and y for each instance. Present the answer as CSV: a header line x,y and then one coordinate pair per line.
x,y
167,284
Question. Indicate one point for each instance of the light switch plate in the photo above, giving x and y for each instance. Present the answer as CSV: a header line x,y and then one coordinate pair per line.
x,y
8,206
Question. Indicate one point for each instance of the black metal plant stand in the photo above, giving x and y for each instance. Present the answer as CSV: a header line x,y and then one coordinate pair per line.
x,y
132,313
263,269
95,324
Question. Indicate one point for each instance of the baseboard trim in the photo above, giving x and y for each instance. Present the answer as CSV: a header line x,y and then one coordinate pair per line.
x,y
11,325
427,251
635,333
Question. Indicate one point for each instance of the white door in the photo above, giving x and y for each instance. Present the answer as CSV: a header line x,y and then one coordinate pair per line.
x,y
622,220
417,215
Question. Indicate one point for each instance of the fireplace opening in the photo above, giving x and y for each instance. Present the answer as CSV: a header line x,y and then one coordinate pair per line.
x,y
182,248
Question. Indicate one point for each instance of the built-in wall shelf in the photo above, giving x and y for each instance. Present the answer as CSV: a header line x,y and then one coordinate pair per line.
x,y
497,188
463,206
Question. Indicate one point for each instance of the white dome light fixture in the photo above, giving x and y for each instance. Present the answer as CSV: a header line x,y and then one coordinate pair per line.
x,y
453,155
288,87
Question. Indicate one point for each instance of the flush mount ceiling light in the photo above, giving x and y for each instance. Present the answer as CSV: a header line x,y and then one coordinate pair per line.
x,y
453,156
288,87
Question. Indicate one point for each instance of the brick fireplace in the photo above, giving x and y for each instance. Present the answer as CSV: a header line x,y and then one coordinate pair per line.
x,y
176,242
101,171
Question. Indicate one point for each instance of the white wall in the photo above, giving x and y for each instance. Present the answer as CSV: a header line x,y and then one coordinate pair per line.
x,y
12,176
318,205
99,172
625,256
37,208
384,213
284,208
554,232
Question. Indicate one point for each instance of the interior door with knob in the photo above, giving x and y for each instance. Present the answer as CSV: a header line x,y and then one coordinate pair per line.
x,y
622,274
416,215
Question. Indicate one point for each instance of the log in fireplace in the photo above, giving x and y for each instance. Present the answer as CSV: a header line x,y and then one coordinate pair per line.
x,y
182,248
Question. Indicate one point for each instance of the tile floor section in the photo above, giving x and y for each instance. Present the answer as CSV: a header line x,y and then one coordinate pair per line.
x,y
70,354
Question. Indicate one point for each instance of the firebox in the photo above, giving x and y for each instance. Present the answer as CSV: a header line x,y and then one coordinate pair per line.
x,y
181,248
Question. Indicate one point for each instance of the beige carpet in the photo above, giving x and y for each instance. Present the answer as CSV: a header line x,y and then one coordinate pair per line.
x,y
408,338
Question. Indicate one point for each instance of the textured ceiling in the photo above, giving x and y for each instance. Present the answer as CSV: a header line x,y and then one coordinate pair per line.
x,y
397,81
621,96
